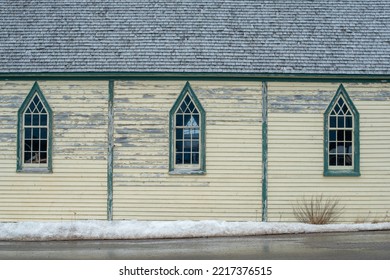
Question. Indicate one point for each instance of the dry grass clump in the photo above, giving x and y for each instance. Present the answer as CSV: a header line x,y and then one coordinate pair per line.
x,y
317,210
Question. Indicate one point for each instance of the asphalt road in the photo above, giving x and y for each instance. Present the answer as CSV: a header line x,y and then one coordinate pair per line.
x,y
326,246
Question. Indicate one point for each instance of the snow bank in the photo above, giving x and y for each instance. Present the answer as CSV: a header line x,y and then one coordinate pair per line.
x,y
34,231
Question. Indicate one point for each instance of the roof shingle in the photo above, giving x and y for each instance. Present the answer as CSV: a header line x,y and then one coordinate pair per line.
x,y
196,36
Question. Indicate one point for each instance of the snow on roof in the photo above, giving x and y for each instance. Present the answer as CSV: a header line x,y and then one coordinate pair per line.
x,y
196,36
34,231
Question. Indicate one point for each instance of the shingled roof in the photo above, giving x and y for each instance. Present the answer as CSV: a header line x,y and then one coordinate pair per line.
x,y
196,36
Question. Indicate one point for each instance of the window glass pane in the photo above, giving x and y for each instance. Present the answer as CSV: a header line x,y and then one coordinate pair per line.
x,y
340,160
193,122
340,147
195,146
337,108
332,147
183,107
340,135
187,134
332,121
36,99
348,147
179,146
191,106
27,157
179,120
187,100
27,145
187,120
340,102
348,159
27,133
195,133
332,160
332,135
179,158
187,146
44,119
40,106
43,157
27,119
196,119
195,158
348,135
340,120
31,107
36,119
43,145
187,158
179,133
348,121
43,133
35,133
35,146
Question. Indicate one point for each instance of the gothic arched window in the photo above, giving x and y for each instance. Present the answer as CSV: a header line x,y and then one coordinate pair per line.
x,y
34,133
187,134
341,131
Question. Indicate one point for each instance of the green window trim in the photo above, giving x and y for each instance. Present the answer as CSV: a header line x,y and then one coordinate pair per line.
x,y
354,170
201,166
21,166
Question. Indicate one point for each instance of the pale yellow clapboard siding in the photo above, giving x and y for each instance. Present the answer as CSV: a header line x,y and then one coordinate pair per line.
x,y
295,164
231,189
78,185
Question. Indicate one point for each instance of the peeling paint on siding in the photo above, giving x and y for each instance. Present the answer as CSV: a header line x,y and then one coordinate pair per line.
x,y
296,149
143,187
77,187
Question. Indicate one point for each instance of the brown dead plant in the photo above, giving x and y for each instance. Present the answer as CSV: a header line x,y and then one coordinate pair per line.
x,y
317,210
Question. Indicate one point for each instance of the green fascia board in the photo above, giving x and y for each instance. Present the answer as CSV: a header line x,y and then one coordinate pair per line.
x,y
187,89
356,164
194,76
23,107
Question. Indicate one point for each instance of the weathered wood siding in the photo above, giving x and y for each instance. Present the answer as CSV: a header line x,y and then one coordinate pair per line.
x,y
295,141
231,189
77,187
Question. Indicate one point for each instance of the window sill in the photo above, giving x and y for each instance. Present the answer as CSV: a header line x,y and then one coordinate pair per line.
x,y
339,173
34,170
187,172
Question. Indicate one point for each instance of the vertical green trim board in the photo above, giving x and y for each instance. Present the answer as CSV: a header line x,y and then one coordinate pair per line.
x,y
264,190
110,157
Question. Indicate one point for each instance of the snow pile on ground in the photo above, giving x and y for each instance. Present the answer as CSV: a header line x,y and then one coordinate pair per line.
x,y
32,231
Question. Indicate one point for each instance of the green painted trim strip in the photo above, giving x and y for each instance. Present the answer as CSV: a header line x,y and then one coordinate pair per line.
x,y
194,76
264,190
110,157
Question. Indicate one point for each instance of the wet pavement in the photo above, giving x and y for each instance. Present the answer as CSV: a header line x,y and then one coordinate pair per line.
x,y
325,246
